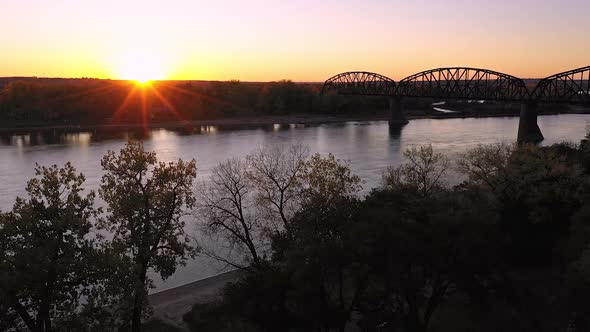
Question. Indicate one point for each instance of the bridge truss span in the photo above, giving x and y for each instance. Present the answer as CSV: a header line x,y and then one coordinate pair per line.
x,y
471,84
360,83
463,83
571,86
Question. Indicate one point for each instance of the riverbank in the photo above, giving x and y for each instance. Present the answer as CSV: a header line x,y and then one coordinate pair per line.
x,y
249,121
227,122
170,305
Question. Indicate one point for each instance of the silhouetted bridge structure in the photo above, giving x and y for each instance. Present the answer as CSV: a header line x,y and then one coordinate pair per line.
x,y
572,87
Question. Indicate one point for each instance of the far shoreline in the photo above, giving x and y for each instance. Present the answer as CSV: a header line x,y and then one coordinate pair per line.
x,y
248,121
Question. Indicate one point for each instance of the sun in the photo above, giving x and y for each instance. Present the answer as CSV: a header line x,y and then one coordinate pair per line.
x,y
142,81
141,67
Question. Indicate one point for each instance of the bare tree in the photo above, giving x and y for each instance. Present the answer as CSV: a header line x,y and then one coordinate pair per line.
x,y
423,169
249,201
228,206
276,174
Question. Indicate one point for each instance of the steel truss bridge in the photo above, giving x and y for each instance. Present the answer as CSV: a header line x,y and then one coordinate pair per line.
x,y
571,87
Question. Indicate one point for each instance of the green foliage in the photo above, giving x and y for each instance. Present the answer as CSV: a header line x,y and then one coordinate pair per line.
x,y
328,179
146,201
423,243
326,280
538,194
422,250
486,163
48,253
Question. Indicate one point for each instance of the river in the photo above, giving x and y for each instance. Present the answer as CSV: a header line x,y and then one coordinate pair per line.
x,y
368,146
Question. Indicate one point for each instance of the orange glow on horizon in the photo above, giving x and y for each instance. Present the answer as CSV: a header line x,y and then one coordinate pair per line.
x,y
304,40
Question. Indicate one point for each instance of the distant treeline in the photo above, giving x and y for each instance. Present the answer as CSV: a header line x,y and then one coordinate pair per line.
x,y
43,101
103,101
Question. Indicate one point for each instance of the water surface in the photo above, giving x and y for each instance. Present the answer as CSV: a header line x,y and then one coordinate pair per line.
x,y
369,146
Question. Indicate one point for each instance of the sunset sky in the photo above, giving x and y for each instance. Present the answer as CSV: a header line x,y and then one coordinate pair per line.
x,y
302,40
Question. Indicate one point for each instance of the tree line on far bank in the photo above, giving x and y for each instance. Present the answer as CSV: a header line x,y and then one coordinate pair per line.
x,y
92,101
505,250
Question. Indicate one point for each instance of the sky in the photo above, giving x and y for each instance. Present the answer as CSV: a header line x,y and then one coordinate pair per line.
x,y
302,40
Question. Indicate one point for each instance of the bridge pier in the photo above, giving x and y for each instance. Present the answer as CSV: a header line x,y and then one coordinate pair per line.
x,y
528,129
396,109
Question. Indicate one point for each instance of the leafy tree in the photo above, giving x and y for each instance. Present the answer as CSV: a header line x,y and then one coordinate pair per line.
x,y
328,179
535,190
326,279
147,201
49,258
536,195
486,163
8,317
422,250
317,257
422,241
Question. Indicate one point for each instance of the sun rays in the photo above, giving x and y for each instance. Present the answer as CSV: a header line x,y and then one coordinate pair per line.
x,y
155,100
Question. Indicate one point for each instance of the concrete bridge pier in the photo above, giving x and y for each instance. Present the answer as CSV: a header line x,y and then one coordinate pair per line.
x,y
398,118
528,129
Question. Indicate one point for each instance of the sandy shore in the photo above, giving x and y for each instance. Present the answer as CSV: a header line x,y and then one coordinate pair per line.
x,y
170,305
